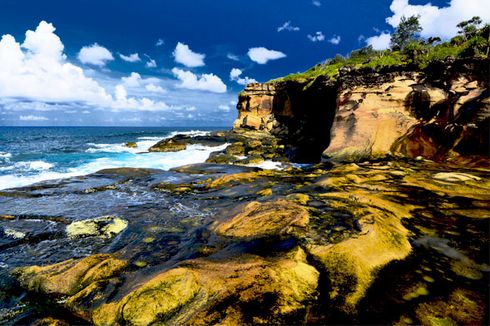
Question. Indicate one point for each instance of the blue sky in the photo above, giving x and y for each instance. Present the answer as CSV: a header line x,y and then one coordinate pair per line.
x,y
180,62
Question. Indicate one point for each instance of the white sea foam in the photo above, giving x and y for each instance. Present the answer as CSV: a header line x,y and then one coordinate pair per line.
x,y
28,166
5,157
142,145
193,154
268,165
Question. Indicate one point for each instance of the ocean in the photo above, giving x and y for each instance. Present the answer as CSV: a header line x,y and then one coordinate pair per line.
x,y
33,154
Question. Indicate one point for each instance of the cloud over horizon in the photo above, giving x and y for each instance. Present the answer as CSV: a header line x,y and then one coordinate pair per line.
x,y
38,70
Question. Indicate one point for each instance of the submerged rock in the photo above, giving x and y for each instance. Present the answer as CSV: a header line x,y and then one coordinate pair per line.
x,y
104,226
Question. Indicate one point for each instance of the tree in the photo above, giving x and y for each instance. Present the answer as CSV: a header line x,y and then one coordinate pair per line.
x,y
469,28
406,32
413,50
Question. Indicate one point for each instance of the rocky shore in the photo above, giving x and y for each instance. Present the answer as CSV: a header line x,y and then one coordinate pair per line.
x,y
387,223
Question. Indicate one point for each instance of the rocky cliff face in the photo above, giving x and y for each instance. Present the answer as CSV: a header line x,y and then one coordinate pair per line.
x,y
440,113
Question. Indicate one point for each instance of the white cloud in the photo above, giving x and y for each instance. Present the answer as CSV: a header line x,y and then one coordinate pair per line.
x,y
184,55
95,55
132,80
262,55
32,118
316,3
155,88
151,63
437,21
379,42
205,82
335,40
37,71
160,42
317,37
288,27
135,57
224,108
233,57
123,102
235,74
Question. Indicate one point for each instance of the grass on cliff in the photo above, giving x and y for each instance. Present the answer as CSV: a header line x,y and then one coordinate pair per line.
x,y
418,53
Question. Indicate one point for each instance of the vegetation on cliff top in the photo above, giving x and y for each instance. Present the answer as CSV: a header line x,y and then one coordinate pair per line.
x,y
407,48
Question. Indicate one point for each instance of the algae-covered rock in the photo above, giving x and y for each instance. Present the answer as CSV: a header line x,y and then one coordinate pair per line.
x,y
235,149
208,291
168,145
71,276
104,227
258,220
158,300
462,307
352,264
131,144
221,158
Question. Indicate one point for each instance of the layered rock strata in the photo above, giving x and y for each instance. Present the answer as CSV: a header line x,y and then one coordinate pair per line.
x,y
439,113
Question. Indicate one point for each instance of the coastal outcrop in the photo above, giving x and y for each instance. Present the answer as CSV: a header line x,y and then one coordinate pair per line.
x,y
439,113
225,244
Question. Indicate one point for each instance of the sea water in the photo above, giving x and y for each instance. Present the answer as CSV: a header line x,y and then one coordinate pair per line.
x,y
33,154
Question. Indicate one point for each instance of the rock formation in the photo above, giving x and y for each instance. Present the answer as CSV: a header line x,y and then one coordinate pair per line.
x,y
438,113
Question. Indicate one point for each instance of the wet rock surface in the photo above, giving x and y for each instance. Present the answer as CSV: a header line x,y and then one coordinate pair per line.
x,y
386,242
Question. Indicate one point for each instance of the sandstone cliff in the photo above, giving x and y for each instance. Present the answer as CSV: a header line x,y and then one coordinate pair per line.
x,y
439,113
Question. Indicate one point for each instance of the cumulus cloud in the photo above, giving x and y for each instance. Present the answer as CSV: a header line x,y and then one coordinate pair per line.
x,y
135,57
379,42
184,55
132,80
235,74
123,102
335,40
317,37
32,118
439,21
288,27
155,88
205,82
95,55
316,3
262,55
37,71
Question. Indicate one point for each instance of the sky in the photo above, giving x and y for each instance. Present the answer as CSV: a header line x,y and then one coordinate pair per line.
x,y
181,62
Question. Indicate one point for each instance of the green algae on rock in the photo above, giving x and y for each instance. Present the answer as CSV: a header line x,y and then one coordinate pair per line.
x,y
259,220
71,276
104,226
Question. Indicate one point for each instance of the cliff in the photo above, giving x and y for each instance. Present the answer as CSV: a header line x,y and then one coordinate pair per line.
x,y
440,112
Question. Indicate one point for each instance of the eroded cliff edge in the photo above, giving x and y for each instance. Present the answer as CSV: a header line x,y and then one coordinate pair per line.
x,y
439,113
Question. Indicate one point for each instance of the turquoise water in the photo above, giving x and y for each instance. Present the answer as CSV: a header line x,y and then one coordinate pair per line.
x,y
33,154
